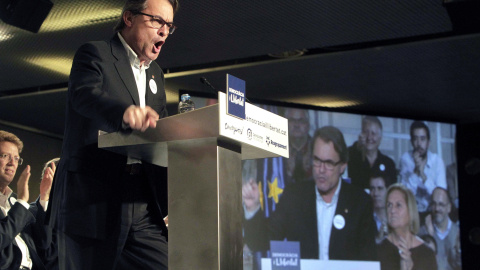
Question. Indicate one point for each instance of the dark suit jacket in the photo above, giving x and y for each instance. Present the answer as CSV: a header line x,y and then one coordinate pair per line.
x,y
360,171
86,190
296,220
30,224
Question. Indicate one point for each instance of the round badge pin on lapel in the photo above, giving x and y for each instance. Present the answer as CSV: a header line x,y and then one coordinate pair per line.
x,y
153,86
382,167
339,222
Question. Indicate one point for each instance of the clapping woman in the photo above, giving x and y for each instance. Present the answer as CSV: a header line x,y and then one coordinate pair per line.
x,y
402,249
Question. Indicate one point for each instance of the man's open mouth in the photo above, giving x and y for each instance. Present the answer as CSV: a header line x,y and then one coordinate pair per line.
x,y
159,44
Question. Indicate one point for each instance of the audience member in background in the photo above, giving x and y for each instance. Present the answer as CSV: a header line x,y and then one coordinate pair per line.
x,y
421,170
402,249
444,230
24,239
331,219
379,182
365,156
298,166
51,256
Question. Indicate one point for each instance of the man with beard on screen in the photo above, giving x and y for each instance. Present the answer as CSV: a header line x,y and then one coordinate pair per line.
x,y
421,170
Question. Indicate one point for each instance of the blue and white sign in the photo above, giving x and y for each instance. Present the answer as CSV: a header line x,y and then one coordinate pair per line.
x,y
235,96
285,255
262,129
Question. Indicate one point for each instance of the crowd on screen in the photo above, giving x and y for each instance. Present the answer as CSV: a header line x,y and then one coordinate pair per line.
x,y
353,202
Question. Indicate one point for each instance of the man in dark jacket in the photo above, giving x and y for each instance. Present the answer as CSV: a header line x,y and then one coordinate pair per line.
x,y
107,207
25,242
331,219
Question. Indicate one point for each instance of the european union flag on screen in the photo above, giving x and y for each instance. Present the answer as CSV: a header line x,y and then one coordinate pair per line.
x,y
235,96
272,184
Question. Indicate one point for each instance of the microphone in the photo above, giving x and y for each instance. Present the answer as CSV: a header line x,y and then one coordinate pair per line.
x,y
207,83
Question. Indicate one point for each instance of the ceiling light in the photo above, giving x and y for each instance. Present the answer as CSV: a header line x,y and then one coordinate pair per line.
x,y
61,65
288,54
325,101
60,22
5,36
172,95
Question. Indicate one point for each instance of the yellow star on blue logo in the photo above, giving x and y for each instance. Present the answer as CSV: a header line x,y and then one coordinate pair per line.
x,y
260,190
274,191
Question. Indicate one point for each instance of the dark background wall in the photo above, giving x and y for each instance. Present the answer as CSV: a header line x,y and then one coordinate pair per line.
x,y
468,158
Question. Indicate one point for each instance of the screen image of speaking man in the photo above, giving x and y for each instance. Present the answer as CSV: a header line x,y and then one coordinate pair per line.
x,y
25,241
107,208
331,219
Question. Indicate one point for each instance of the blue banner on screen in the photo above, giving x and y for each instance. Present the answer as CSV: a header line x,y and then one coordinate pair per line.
x,y
285,255
235,96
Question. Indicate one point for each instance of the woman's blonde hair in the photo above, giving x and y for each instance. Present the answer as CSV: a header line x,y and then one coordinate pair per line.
x,y
414,225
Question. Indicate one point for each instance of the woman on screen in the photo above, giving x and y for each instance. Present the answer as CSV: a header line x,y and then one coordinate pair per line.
x,y
402,249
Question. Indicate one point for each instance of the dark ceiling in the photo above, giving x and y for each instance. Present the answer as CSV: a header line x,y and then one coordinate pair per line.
x,y
389,57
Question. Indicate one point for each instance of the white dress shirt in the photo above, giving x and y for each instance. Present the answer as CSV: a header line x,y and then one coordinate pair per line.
x,y
440,234
325,215
436,177
139,72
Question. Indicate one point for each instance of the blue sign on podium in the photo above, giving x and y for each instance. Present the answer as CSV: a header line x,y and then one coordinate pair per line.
x,y
285,255
235,97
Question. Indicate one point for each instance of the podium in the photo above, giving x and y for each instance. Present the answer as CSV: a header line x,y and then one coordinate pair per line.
x,y
203,150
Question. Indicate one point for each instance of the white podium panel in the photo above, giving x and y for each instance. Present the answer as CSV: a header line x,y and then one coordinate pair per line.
x,y
261,129
330,264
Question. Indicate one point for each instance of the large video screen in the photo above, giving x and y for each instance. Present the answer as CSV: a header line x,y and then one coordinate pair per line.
x,y
355,188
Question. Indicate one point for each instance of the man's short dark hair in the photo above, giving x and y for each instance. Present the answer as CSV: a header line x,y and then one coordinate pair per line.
x,y
371,119
138,6
387,180
334,135
417,125
450,201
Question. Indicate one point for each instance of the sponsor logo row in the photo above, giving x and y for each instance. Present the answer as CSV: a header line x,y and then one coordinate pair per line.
x,y
273,143
251,135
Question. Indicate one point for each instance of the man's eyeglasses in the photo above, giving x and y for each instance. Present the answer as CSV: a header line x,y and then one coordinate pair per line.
x,y
8,158
329,164
158,22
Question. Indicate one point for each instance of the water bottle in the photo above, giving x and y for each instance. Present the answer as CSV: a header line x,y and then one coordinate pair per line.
x,y
186,104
